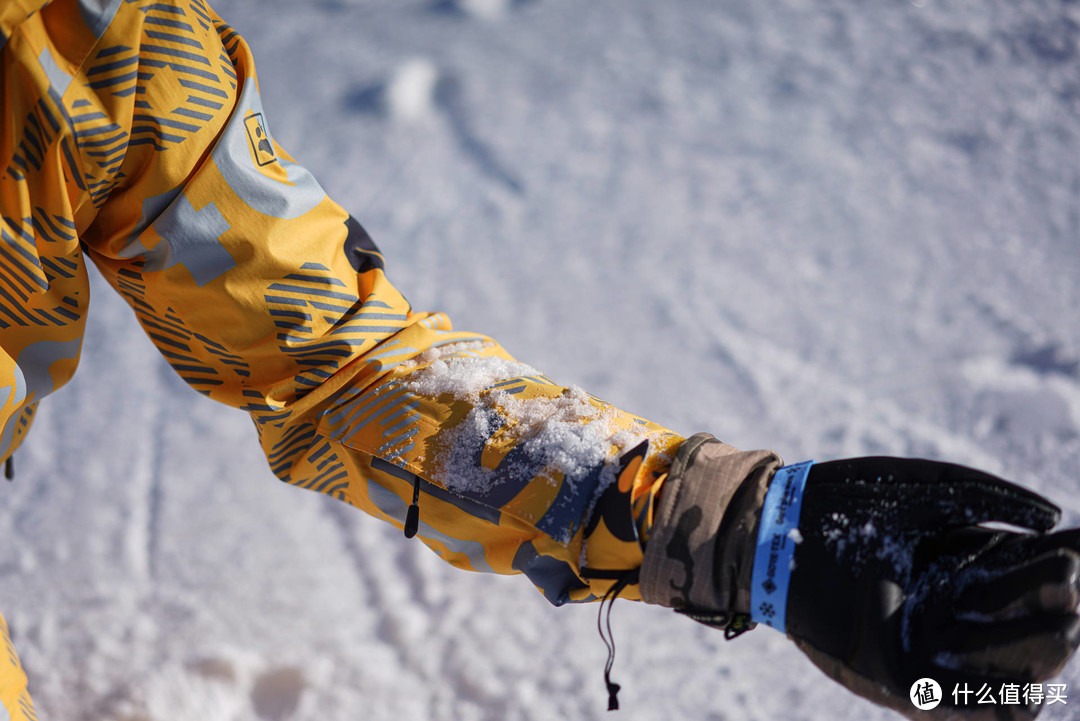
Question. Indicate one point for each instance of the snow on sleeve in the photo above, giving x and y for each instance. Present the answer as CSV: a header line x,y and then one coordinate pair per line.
x,y
570,436
463,377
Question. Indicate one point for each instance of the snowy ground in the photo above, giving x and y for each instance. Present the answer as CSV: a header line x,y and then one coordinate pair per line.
x,y
828,228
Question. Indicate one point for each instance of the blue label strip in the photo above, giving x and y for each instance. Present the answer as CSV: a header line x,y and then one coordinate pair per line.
x,y
776,546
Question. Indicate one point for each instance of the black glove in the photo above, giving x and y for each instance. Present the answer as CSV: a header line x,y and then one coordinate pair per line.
x,y
894,574
895,579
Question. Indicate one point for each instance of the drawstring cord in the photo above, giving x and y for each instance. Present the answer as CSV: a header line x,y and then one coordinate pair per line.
x,y
733,624
603,622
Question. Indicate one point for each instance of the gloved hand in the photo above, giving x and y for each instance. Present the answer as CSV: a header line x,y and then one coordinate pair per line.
x,y
881,570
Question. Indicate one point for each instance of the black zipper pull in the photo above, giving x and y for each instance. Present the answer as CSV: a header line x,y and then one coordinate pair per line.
x,y
9,467
412,516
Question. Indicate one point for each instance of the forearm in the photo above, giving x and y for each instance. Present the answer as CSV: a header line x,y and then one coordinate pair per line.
x,y
516,473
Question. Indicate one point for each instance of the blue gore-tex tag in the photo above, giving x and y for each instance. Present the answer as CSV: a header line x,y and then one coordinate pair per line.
x,y
776,541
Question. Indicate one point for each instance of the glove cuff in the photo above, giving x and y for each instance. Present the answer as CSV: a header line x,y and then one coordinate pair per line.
x,y
700,552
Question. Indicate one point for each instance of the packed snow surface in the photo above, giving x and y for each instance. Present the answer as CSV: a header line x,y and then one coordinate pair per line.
x,y
827,228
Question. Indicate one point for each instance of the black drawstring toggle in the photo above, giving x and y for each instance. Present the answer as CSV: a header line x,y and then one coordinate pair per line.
x,y
612,690
603,622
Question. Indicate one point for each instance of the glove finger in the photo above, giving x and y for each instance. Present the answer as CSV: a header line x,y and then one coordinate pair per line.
x,y
1028,649
930,494
978,497
998,551
1068,538
1049,583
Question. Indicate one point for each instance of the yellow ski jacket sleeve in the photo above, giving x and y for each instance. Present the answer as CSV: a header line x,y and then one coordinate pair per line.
x,y
133,134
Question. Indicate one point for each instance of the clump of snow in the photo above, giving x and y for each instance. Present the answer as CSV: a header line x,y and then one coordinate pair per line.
x,y
410,92
465,378
558,447
571,434
445,351
572,406
568,436
795,536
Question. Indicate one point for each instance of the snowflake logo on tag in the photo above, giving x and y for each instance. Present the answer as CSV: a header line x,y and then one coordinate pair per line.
x,y
767,610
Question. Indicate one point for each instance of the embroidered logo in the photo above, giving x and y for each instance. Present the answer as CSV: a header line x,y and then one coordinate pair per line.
x,y
261,147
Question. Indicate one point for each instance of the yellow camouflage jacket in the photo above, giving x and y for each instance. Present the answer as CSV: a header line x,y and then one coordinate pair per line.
x,y
133,135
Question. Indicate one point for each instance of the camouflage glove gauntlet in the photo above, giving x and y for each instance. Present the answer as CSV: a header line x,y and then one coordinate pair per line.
x,y
701,547
893,575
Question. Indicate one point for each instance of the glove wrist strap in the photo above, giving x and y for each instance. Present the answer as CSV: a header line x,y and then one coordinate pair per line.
x,y
777,537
